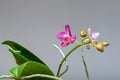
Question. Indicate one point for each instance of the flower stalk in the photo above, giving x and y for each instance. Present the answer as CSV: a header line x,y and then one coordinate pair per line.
x,y
61,52
63,60
84,64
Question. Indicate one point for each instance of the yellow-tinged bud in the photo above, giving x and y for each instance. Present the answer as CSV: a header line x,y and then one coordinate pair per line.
x,y
95,42
83,33
100,47
105,44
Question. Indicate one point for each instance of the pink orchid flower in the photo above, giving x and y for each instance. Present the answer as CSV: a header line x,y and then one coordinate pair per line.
x,y
93,36
66,37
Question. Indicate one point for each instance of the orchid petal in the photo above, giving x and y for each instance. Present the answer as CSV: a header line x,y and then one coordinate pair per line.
x,y
61,35
65,42
64,45
67,30
89,31
73,38
94,35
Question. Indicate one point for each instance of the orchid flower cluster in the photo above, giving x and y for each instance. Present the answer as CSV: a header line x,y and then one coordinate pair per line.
x,y
89,38
31,67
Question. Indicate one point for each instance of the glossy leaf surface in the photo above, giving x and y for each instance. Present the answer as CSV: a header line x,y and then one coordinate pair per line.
x,y
22,55
19,52
29,68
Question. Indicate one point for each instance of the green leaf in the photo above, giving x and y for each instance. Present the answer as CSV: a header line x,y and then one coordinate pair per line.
x,y
30,68
18,57
20,53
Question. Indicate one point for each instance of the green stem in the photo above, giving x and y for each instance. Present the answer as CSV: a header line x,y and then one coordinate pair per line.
x,y
63,55
84,64
64,59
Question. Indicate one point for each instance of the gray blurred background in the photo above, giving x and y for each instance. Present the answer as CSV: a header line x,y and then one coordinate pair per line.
x,y
35,23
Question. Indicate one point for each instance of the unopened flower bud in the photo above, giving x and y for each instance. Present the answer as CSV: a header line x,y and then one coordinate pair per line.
x,y
83,33
105,44
95,42
100,47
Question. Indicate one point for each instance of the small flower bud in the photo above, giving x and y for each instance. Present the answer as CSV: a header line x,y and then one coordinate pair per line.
x,y
100,47
88,46
105,44
95,42
83,33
